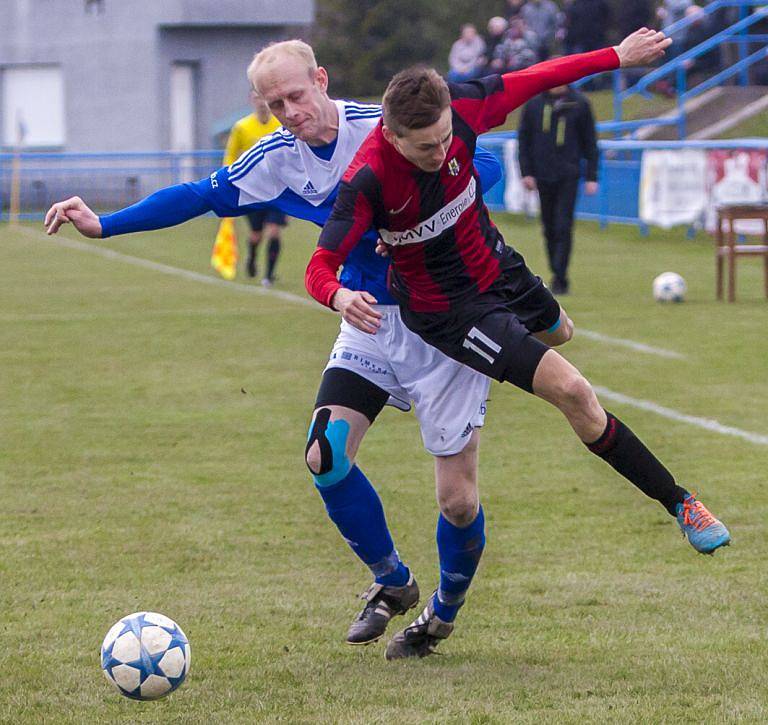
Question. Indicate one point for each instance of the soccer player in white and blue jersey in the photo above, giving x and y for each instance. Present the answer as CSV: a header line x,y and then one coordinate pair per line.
x,y
297,169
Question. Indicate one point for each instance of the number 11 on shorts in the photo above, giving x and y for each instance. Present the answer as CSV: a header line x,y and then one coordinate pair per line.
x,y
480,343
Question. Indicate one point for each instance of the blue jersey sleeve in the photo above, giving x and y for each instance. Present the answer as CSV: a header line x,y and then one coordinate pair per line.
x,y
176,204
488,168
182,202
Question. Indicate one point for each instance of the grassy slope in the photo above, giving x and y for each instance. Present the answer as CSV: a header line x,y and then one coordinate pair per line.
x,y
602,106
153,432
755,127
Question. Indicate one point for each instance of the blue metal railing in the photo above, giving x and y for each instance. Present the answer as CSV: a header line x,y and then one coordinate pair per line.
x,y
703,47
617,200
736,33
108,180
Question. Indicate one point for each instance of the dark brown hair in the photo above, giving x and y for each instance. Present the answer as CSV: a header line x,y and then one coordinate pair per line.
x,y
414,98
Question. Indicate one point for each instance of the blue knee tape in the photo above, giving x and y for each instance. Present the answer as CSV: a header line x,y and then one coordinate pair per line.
x,y
332,439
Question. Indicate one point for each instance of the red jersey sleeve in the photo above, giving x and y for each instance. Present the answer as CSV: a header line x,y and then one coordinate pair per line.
x,y
486,102
350,219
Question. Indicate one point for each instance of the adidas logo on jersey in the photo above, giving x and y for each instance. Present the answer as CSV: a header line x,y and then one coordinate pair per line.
x,y
309,188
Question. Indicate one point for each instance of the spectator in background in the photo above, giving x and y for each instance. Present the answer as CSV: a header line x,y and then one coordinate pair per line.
x,y
514,8
721,19
541,17
557,130
264,222
497,27
701,30
586,25
467,57
586,29
670,12
518,50
635,14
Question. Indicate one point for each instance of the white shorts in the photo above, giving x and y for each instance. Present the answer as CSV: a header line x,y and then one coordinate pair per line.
x,y
449,397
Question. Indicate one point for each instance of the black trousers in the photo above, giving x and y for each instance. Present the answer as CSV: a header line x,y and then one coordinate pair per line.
x,y
558,201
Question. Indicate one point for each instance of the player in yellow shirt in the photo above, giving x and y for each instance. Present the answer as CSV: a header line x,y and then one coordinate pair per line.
x,y
268,222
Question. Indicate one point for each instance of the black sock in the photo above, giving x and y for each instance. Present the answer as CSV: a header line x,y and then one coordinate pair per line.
x,y
620,447
273,252
251,261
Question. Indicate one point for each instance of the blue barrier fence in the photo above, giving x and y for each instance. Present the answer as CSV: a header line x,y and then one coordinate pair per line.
x,y
617,200
625,82
109,181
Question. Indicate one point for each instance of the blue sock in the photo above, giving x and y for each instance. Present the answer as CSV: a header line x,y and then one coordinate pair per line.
x,y
460,551
355,508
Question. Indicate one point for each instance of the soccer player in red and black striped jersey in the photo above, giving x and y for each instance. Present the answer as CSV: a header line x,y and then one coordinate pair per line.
x,y
460,287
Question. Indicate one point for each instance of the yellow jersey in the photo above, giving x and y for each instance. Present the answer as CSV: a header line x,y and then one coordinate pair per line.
x,y
245,133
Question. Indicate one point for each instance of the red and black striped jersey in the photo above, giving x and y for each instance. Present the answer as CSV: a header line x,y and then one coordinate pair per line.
x,y
444,246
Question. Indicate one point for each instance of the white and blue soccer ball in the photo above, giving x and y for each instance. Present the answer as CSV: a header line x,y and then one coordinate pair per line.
x,y
669,287
145,656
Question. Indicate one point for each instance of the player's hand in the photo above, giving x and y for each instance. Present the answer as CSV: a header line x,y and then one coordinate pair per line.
x,y
590,188
529,183
76,211
382,248
355,308
642,47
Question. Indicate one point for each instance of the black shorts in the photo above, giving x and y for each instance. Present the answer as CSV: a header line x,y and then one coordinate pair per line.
x,y
492,332
257,219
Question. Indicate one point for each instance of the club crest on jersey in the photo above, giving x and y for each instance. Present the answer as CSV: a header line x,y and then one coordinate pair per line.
x,y
453,167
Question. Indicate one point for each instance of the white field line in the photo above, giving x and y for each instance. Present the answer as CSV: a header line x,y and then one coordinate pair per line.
x,y
631,344
95,316
289,296
167,269
705,423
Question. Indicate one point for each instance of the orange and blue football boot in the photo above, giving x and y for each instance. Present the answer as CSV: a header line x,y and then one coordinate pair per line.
x,y
704,532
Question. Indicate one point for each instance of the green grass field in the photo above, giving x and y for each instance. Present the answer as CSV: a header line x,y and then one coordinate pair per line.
x,y
152,435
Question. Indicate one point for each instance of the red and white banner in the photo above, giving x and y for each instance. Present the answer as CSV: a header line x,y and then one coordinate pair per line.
x,y
686,186
736,177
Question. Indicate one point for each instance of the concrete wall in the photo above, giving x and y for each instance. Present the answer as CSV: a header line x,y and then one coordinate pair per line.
x,y
116,63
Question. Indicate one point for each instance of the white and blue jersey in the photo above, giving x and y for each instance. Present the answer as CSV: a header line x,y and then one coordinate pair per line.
x,y
288,174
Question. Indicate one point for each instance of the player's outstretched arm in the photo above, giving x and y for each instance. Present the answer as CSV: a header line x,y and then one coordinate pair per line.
x,y
76,212
164,208
642,47
489,101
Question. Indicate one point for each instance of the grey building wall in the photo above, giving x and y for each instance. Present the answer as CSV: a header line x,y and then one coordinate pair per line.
x,y
116,60
221,83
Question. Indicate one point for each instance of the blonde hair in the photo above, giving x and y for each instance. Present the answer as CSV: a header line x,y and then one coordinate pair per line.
x,y
276,51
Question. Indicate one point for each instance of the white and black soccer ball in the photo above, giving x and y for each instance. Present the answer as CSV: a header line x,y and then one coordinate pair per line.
x,y
145,656
669,287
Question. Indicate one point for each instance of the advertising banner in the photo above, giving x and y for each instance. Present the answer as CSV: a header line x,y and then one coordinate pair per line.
x,y
673,187
736,176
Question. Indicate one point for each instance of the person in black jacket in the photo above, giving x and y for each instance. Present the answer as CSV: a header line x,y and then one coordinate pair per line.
x,y
634,15
586,23
557,131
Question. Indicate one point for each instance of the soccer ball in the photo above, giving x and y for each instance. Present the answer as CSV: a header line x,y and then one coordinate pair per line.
x,y
145,656
669,287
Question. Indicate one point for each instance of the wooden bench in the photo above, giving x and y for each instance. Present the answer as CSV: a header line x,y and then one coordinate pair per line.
x,y
727,248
